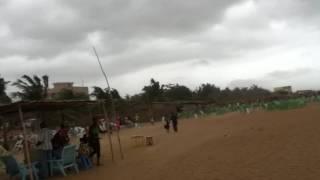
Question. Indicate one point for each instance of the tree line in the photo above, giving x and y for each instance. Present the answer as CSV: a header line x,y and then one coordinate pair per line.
x,y
36,88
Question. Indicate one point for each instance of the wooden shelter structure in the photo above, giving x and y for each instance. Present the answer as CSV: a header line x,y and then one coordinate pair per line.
x,y
22,107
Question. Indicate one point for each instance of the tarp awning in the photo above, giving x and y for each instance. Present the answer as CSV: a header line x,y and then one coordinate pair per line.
x,y
43,105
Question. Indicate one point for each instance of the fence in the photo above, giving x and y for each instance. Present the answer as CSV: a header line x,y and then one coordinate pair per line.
x,y
287,104
270,106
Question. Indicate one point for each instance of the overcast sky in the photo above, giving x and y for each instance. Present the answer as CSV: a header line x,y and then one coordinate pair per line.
x,y
226,42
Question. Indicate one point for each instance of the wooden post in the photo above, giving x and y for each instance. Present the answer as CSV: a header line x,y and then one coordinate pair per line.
x,y
5,135
111,98
61,116
26,145
118,130
108,127
90,112
119,141
118,133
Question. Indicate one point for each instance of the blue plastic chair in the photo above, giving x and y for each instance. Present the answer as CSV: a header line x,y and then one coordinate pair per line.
x,y
13,168
84,162
68,160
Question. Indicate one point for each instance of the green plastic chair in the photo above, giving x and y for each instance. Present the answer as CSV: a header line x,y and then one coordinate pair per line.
x,y
68,160
13,168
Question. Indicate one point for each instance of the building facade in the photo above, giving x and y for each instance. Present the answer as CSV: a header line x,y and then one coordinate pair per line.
x,y
59,86
283,90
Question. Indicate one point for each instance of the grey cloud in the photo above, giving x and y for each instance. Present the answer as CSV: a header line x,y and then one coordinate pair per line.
x,y
303,78
55,28
139,35
289,74
50,29
149,18
299,11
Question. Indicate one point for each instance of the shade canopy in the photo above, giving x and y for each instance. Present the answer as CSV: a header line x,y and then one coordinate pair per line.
x,y
28,106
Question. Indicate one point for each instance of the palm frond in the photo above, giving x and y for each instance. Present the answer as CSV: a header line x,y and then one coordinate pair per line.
x,y
29,80
45,80
37,80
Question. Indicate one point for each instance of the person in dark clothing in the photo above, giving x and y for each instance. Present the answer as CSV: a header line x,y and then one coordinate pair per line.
x,y
60,139
84,139
94,140
84,148
174,119
166,122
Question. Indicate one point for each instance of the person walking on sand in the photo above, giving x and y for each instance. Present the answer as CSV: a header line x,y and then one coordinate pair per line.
x,y
166,123
174,119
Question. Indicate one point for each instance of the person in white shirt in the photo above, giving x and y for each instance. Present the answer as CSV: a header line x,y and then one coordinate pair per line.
x,y
45,149
137,120
152,120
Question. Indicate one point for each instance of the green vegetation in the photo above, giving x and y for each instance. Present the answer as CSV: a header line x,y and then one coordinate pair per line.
x,y
277,105
217,101
32,88
4,98
286,104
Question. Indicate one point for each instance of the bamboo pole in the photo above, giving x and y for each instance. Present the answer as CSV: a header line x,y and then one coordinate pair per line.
x,y
26,145
61,115
112,103
108,127
119,142
5,135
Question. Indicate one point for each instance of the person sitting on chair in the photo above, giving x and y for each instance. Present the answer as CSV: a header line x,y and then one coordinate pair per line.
x,y
84,151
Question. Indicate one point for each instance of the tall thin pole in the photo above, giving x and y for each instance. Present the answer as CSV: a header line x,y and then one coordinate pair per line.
x,y
26,145
102,70
108,127
111,98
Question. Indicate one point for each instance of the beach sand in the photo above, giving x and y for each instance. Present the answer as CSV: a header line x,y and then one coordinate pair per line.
x,y
282,145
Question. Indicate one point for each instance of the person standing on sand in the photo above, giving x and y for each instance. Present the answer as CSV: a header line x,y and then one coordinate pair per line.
x,y
45,149
60,139
152,121
166,122
174,119
137,120
94,140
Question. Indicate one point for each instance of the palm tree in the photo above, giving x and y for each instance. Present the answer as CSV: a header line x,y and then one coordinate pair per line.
x,y
207,91
104,94
33,88
4,98
176,92
152,92
101,94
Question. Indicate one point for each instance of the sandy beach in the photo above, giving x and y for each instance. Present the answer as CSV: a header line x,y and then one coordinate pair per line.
x,y
280,145
259,146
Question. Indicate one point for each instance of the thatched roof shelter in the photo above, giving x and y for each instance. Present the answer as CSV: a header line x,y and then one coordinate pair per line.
x,y
22,107
28,106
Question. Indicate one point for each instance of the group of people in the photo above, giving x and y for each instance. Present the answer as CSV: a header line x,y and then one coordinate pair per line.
x,y
173,118
51,146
